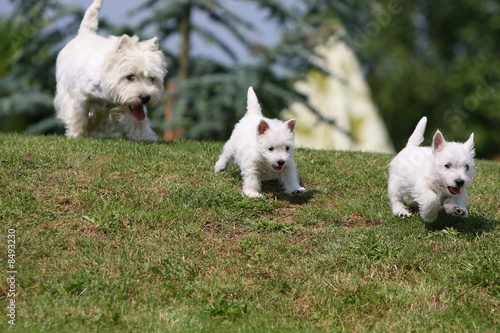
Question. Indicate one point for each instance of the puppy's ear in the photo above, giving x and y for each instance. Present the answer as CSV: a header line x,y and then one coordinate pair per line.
x,y
469,144
125,42
291,124
438,141
263,127
150,45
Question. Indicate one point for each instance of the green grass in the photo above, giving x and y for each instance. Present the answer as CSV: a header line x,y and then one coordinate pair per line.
x,y
118,236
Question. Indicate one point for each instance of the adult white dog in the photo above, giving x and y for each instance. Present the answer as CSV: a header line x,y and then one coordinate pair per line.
x,y
105,83
431,176
263,149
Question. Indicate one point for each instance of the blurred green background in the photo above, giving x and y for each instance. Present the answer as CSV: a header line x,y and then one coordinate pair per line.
x,y
439,59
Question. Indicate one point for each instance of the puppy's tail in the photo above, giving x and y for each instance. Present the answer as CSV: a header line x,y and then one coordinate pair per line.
x,y
417,136
90,21
253,107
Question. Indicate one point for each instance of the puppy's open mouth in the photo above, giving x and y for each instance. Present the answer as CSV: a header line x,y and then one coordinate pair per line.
x,y
454,190
137,112
278,168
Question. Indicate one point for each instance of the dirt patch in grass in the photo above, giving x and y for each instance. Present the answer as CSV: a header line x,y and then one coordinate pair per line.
x,y
358,220
285,214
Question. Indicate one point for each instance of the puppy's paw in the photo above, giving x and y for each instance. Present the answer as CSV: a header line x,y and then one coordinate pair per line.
x,y
298,191
403,212
429,216
145,138
218,168
459,211
252,194
221,165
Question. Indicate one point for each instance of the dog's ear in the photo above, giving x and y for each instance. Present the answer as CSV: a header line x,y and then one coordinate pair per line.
x,y
125,42
291,124
150,45
263,127
469,144
438,141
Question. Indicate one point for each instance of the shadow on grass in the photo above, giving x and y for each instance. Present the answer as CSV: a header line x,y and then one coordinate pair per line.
x,y
475,224
275,189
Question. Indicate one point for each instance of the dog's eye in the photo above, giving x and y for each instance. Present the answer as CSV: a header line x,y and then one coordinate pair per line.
x,y
271,148
130,77
152,79
466,167
287,148
447,166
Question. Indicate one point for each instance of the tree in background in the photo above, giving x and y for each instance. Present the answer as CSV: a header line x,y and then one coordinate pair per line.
x,y
26,82
435,59
210,95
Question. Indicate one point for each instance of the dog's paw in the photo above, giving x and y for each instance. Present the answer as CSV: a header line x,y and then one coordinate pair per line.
x,y
253,194
145,138
219,168
403,212
299,191
430,217
459,211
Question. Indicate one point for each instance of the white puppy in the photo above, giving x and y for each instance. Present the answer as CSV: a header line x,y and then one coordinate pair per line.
x,y
263,149
431,176
104,84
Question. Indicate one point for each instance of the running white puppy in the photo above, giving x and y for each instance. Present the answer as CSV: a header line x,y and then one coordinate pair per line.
x,y
104,84
431,176
263,149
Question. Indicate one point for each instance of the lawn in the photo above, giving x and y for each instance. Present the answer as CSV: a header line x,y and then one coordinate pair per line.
x,y
118,236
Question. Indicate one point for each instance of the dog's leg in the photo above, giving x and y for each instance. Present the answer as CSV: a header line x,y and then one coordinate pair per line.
x,y
399,208
74,115
290,180
225,159
136,130
251,184
429,204
457,205
396,199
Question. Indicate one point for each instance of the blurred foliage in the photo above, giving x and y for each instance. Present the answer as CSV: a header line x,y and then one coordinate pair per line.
x,y
210,95
436,59
28,43
420,58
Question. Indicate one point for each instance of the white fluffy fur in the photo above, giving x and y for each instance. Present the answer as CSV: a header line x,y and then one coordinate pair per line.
x,y
263,149
431,176
101,80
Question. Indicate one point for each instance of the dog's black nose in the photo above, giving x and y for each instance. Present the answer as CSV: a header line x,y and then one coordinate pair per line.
x,y
145,99
281,162
459,182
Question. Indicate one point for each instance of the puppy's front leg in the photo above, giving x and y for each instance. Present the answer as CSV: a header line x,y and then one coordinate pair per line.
x,y
457,205
139,130
429,204
251,185
290,180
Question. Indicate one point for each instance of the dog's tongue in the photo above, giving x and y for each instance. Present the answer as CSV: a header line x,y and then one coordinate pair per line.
x,y
455,190
138,112
277,168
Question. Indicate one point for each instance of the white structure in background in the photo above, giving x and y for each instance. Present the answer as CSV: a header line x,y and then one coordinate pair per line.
x,y
347,101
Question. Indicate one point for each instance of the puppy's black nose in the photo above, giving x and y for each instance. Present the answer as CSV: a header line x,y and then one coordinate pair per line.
x,y
145,99
459,182
281,162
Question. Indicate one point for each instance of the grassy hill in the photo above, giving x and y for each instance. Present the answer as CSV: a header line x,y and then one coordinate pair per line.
x,y
114,235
